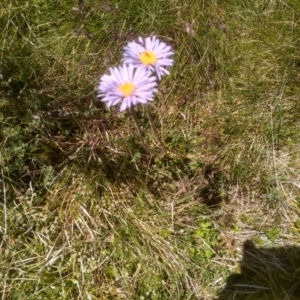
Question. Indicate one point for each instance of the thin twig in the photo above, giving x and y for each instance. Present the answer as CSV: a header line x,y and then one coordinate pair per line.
x,y
5,227
4,204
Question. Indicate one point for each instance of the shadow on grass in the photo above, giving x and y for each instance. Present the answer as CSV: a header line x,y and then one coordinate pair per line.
x,y
266,273
215,187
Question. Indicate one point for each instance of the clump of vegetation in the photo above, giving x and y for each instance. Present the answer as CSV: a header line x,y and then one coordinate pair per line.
x,y
87,213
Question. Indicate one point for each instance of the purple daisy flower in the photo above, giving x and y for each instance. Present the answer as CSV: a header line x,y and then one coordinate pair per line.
x,y
150,53
128,85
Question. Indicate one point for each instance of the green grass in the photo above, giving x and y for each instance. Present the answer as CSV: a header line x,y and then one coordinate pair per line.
x,y
87,213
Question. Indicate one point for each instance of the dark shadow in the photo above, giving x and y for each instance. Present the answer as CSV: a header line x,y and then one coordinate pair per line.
x,y
266,273
214,190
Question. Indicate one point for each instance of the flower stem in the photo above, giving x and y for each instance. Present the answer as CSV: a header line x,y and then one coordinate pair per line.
x,y
161,142
133,113
154,130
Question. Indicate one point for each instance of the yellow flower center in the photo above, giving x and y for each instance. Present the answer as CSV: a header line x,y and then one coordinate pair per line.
x,y
127,88
148,58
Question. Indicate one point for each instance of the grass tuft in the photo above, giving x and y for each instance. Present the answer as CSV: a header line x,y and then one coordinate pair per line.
x,y
88,213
